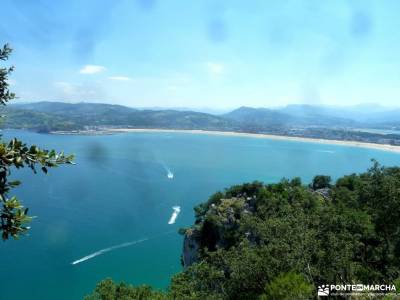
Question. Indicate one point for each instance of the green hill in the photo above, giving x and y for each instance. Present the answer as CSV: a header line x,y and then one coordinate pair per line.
x,y
54,116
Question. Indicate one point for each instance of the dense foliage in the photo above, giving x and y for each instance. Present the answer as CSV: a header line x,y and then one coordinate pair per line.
x,y
14,155
108,290
280,241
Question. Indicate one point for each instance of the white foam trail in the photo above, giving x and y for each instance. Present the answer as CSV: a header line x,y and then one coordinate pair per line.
x,y
102,251
177,210
326,151
170,175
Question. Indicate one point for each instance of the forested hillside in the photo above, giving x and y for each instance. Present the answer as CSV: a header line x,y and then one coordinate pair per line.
x,y
58,116
293,120
282,240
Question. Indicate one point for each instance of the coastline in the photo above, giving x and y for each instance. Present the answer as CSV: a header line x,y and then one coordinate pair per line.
x,y
383,147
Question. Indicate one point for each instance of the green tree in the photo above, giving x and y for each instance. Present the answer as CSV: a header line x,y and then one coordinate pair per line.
x,y
321,181
109,290
288,286
15,155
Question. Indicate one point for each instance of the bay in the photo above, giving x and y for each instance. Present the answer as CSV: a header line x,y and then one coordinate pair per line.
x,y
118,200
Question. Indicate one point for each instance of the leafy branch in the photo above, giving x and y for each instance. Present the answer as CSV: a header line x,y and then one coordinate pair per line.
x,y
15,155
5,94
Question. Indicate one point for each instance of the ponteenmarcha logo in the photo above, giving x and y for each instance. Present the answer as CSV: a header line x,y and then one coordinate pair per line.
x,y
323,290
355,289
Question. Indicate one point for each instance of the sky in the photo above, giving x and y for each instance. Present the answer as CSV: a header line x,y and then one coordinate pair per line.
x,y
194,54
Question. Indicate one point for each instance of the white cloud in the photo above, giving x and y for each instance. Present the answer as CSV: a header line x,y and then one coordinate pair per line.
x,y
65,87
119,78
172,88
92,69
11,82
215,68
79,92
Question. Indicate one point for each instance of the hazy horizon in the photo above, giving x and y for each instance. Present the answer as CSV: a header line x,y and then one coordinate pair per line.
x,y
214,54
222,109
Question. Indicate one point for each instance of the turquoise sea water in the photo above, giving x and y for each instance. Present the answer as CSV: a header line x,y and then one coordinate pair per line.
x,y
118,192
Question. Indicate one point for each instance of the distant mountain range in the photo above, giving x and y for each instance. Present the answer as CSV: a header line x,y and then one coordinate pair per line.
x,y
365,114
298,120
359,115
288,116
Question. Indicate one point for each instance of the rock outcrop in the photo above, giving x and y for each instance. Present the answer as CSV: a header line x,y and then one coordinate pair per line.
x,y
191,247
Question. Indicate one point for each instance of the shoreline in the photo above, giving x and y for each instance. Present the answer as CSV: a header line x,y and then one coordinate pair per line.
x,y
383,147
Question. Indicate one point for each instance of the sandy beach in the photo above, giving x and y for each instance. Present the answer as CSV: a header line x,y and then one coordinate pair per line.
x,y
383,147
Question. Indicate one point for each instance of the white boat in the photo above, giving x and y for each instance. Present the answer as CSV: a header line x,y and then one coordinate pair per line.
x,y
176,211
170,175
